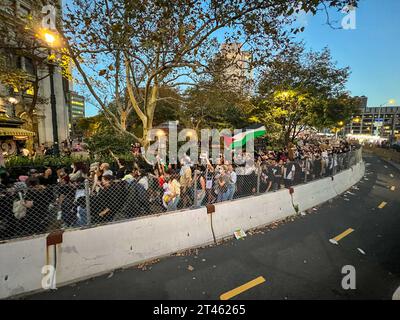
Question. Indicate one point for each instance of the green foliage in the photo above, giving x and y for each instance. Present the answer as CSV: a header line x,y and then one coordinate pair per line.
x,y
155,44
282,113
102,143
19,161
211,107
302,89
13,77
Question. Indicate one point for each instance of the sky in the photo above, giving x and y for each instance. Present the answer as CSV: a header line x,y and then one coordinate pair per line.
x,y
371,50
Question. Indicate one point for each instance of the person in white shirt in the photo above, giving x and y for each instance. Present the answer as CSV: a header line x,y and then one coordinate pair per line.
x,y
288,173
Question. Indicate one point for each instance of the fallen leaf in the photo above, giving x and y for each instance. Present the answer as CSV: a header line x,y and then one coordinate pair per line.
x,y
190,268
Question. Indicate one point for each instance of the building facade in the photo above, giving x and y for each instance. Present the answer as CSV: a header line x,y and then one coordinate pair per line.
x,y
238,71
33,107
379,121
76,104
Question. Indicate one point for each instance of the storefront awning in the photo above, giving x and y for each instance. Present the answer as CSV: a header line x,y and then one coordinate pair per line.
x,y
17,132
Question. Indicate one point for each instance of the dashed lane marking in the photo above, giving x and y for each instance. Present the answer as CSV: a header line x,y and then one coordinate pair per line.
x,y
251,284
342,235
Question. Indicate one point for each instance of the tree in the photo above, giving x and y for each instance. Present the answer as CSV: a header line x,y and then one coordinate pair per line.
x,y
302,89
209,106
138,47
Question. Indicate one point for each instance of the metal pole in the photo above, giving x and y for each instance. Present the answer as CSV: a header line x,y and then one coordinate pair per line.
x,y
56,150
335,163
195,190
258,178
305,170
87,198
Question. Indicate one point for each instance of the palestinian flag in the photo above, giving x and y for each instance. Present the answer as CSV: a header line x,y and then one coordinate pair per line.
x,y
240,139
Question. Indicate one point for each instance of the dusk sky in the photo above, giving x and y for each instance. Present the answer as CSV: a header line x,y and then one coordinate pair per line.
x,y
372,50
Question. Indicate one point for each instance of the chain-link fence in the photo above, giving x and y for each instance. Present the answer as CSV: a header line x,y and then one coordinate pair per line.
x,y
30,207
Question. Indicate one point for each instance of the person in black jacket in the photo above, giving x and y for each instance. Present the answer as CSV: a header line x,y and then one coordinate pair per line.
x,y
108,201
137,201
38,217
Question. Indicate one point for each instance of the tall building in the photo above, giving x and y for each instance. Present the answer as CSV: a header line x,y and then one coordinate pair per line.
x,y
14,15
376,121
238,71
76,110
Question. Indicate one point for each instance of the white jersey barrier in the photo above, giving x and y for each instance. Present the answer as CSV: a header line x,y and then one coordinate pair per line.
x,y
89,252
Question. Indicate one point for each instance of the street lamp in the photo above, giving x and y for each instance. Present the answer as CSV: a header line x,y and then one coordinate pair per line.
x,y
386,103
51,39
14,102
340,128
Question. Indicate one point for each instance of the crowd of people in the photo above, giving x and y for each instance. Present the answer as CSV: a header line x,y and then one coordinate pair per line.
x,y
98,193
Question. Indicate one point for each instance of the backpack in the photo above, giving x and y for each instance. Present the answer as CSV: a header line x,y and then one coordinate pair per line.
x,y
19,208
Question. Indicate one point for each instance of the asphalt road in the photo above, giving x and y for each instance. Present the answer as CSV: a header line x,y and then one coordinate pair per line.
x,y
296,259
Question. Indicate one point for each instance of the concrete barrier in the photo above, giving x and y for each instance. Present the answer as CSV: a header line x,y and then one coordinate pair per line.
x,y
309,195
251,212
89,252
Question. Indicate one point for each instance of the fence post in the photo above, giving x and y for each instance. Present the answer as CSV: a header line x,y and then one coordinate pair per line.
x,y
195,204
348,159
258,178
335,163
305,170
87,197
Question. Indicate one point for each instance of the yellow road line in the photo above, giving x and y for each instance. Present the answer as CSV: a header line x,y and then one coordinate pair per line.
x,y
382,205
230,294
342,235
393,188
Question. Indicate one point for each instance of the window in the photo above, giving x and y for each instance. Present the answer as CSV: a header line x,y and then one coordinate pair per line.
x,y
24,11
19,62
29,67
8,6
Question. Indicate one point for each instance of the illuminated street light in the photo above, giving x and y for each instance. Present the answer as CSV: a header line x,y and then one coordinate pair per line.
x,y
13,100
160,133
49,38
